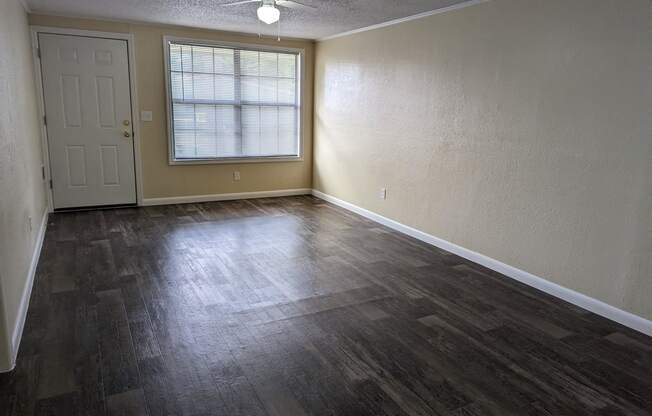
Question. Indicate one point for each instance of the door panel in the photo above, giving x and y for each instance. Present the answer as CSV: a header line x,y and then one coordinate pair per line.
x,y
110,168
71,101
76,164
105,101
88,110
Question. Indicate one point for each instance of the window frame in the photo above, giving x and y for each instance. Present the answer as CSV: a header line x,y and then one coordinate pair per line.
x,y
300,52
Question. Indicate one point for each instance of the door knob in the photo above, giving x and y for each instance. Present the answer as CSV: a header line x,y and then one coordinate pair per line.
x,y
125,122
126,133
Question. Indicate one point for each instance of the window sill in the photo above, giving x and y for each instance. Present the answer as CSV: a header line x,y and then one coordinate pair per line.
x,y
235,160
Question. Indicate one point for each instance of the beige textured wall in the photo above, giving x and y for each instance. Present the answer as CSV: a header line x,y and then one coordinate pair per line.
x,y
520,129
22,191
163,180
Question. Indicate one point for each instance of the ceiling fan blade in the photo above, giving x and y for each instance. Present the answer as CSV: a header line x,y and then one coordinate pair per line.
x,y
291,4
237,3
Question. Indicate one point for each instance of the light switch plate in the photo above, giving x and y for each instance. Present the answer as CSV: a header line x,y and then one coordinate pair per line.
x,y
145,116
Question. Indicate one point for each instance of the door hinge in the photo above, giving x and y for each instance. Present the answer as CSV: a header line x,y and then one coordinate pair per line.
x,y
50,183
38,53
45,120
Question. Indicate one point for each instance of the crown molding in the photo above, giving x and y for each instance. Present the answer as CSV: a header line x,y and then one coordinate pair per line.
x,y
25,6
405,19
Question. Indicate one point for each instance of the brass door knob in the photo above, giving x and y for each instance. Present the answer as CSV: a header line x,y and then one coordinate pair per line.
x,y
126,133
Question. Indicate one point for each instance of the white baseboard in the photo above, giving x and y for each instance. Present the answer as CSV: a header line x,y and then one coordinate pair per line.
x,y
224,197
591,304
27,292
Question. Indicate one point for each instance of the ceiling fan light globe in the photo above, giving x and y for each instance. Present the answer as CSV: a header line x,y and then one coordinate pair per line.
x,y
268,14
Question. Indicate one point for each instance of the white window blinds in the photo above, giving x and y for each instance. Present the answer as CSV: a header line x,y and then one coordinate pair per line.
x,y
233,103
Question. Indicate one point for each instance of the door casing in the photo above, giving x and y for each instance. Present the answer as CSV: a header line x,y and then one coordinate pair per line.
x,y
35,30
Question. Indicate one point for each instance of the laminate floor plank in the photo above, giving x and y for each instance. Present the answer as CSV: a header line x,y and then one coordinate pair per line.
x,y
292,306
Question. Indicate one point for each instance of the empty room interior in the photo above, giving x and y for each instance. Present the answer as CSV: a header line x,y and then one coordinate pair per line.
x,y
326,207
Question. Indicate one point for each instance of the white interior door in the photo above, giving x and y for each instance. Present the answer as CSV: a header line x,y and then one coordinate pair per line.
x,y
89,125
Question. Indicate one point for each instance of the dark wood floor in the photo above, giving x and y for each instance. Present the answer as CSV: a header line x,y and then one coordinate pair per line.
x,y
292,306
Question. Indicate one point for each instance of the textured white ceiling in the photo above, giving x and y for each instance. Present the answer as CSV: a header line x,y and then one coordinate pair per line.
x,y
330,16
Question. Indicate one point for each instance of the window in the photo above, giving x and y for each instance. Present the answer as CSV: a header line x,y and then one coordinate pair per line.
x,y
228,102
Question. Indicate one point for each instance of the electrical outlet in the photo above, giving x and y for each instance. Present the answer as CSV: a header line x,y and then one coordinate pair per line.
x,y
236,175
383,193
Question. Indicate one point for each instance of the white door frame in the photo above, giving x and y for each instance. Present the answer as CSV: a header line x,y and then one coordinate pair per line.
x,y
129,37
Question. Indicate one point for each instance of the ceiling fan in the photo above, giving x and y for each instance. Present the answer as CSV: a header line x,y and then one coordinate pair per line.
x,y
267,12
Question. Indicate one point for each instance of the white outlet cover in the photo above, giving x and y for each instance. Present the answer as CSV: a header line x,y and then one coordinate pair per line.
x,y
145,116
383,193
